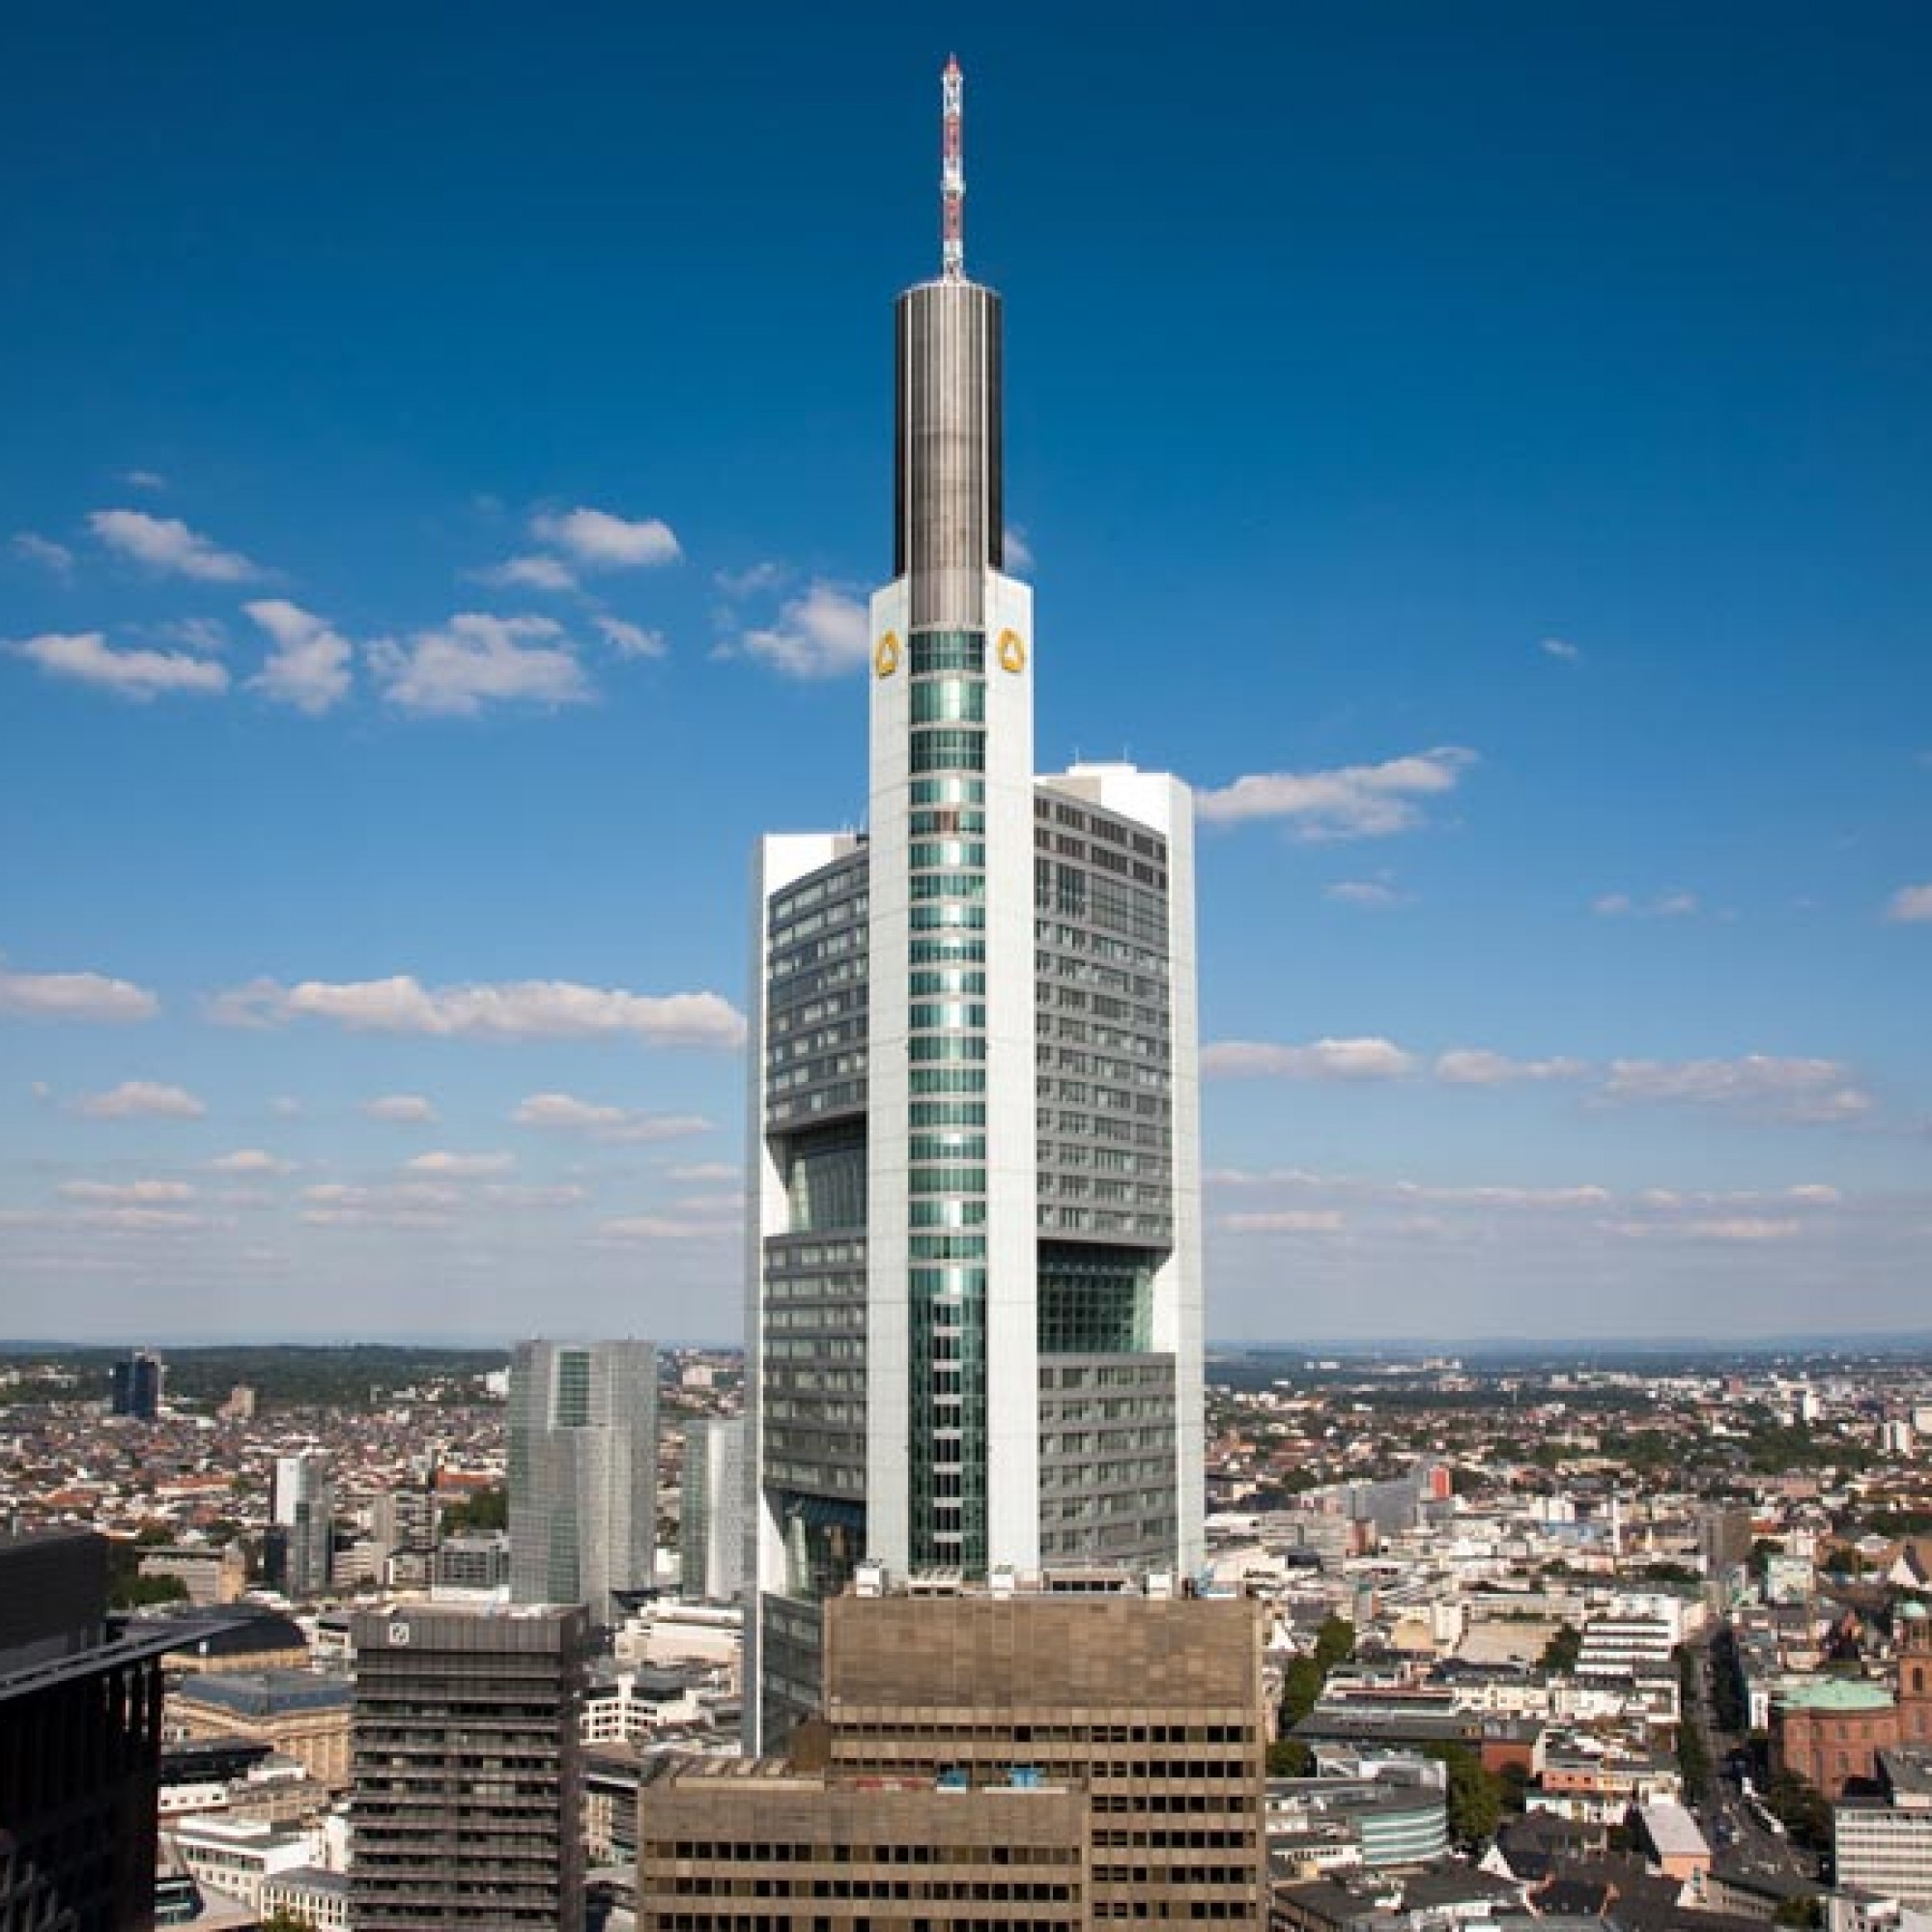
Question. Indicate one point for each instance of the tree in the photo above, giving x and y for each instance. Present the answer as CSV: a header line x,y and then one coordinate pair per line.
x,y
1334,1643
487,1510
1289,1757
282,1919
1561,1652
130,1593
1475,1795
1804,1913
1300,1687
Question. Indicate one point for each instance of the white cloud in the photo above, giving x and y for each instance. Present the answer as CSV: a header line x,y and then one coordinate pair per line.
x,y
510,1009
43,550
1286,1221
1476,1067
406,1108
143,480
1730,1227
822,633
1349,802
1361,892
127,1193
475,659
661,1228
309,665
737,585
74,996
135,1098
87,657
630,641
545,1194
1786,1090
206,635
461,1166
1664,905
167,544
1562,649
1585,1194
284,1106
563,1113
602,541
409,1204
531,573
1366,1059
249,1160
1018,552
704,1172
1910,905
141,1220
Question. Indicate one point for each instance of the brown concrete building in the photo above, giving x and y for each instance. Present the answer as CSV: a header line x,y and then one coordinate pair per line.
x,y
1139,1718
735,1844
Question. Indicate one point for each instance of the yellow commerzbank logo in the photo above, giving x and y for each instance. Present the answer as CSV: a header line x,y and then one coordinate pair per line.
x,y
1012,652
886,658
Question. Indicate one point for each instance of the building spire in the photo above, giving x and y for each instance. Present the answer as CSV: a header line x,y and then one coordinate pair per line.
x,y
953,172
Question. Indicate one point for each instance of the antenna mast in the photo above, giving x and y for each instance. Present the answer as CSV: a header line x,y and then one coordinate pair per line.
x,y
953,173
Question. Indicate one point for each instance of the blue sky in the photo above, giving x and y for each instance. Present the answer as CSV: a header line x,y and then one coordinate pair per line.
x,y
1485,450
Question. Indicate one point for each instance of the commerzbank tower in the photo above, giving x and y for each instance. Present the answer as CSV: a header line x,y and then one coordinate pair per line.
x,y
974,1304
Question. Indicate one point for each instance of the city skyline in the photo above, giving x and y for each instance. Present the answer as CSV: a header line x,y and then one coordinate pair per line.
x,y
427,556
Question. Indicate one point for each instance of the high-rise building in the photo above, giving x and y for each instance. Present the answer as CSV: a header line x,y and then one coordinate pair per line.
x,y
973,1294
583,1472
711,1510
468,1774
1105,1749
301,1543
80,1741
137,1385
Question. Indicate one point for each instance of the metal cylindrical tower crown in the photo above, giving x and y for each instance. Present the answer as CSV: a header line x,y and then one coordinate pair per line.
x,y
948,508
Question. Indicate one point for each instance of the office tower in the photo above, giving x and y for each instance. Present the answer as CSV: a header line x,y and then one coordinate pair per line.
x,y
137,1385
301,1543
80,1742
583,1472
711,1515
993,1757
974,1299
404,1525
468,1776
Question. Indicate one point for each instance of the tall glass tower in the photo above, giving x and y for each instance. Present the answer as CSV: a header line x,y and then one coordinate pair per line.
x,y
974,1311
583,1472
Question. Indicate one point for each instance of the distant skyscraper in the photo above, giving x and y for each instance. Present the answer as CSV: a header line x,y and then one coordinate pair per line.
x,y
137,1385
711,1515
468,1775
302,1529
975,1284
583,1472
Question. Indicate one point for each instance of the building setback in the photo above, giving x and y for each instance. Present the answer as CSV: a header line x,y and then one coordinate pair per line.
x,y
974,1293
469,1782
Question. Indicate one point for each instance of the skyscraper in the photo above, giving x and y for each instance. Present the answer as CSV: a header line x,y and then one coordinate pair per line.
x,y
711,1514
302,1530
137,1385
974,1280
468,1774
583,1472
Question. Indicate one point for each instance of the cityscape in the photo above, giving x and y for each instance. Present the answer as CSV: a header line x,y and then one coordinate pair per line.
x,y
1287,1285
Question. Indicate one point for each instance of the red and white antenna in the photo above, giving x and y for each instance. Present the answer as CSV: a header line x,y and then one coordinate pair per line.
x,y
953,172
